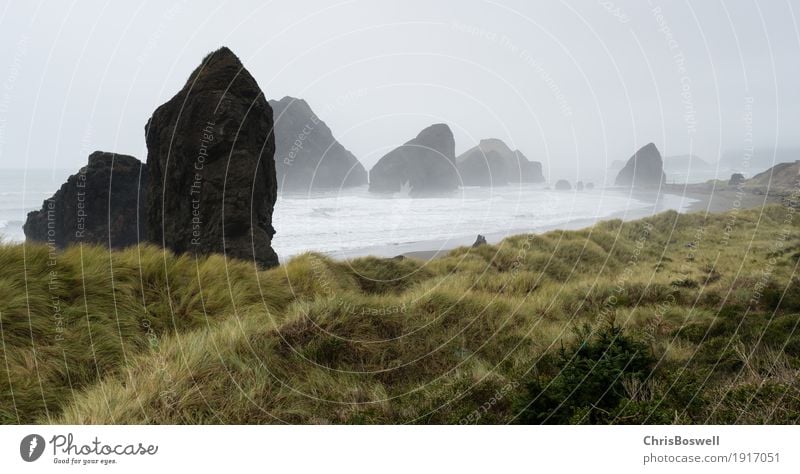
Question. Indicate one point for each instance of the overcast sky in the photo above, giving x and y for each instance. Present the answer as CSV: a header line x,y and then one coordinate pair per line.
x,y
575,85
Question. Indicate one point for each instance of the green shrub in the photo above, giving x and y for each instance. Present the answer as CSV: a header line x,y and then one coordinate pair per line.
x,y
589,384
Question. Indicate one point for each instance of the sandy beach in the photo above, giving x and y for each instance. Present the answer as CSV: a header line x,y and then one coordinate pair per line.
x,y
698,198
433,248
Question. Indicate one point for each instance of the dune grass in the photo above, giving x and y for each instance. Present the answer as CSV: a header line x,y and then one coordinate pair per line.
x,y
673,318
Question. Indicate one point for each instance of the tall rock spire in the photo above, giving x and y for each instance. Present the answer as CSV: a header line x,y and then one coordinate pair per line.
x,y
211,166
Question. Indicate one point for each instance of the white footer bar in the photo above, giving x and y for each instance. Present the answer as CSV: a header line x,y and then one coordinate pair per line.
x,y
399,449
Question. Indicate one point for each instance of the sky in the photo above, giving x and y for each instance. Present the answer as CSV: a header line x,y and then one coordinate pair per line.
x,y
573,84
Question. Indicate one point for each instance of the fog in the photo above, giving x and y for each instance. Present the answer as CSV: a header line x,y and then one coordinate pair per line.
x,y
574,85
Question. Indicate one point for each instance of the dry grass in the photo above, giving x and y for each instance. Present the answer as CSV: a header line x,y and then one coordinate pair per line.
x,y
143,336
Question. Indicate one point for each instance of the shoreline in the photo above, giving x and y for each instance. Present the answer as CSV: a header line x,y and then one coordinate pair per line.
x,y
433,248
695,197
698,200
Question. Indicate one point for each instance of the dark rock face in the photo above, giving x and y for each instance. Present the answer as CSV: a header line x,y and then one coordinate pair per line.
x,y
493,163
306,153
563,185
481,240
644,168
736,179
98,205
210,159
426,164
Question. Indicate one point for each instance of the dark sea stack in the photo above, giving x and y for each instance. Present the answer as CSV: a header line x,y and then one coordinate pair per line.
x,y
481,240
563,185
98,205
493,163
644,168
426,165
212,172
307,156
736,179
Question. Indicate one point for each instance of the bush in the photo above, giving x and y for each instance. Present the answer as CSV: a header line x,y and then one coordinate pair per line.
x,y
589,385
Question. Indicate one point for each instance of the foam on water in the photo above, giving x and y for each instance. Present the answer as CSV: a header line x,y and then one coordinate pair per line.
x,y
356,222
22,191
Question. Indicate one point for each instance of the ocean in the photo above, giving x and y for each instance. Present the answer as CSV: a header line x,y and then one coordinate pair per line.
x,y
355,222
22,191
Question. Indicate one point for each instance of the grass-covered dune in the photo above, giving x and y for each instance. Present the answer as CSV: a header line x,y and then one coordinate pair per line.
x,y
674,318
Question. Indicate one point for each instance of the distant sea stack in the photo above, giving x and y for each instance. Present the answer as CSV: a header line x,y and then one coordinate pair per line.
x,y
493,163
562,185
426,164
306,153
98,205
736,179
210,159
644,168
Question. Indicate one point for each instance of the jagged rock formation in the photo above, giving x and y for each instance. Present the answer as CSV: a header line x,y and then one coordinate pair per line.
x,y
98,205
644,168
562,185
493,163
210,159
481,240
426,164
306,153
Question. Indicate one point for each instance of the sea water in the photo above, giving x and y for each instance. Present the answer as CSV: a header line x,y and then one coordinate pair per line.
x,y
354,221
22,191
